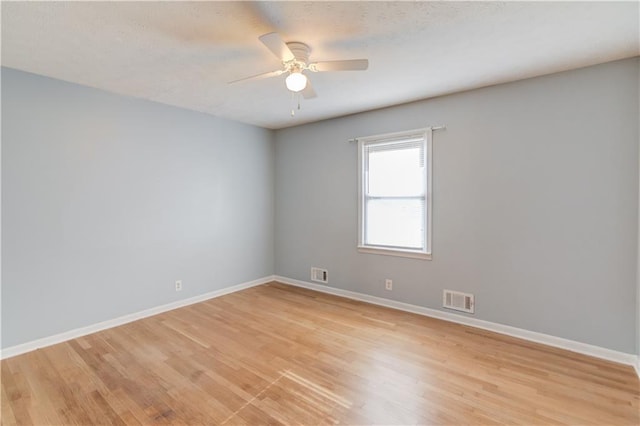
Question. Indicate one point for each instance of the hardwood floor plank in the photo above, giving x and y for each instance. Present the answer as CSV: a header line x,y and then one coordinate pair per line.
x,y
11,393
281,355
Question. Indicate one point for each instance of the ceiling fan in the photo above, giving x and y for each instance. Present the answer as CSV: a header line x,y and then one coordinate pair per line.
x,y
295,61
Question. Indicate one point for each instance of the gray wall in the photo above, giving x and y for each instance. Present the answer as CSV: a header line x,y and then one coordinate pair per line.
x,y
535,203
107,200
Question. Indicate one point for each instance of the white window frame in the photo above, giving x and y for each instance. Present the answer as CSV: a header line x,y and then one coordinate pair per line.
x,y
425,253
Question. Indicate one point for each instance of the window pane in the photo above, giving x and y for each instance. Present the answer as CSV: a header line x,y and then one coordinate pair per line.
x,y
396,172
395,223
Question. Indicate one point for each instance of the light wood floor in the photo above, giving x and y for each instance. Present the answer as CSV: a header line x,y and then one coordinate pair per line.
x,y
276,354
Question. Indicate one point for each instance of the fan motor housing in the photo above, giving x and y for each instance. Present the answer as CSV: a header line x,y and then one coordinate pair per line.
x,y
300,51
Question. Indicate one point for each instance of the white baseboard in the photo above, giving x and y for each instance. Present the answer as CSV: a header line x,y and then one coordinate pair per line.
x,y
83,331
546,339
558,342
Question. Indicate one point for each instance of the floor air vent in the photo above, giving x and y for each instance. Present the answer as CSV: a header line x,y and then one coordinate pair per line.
x,y
319,275
458,301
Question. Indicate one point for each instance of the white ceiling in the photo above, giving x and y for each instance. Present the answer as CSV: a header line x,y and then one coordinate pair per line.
x,y
184,53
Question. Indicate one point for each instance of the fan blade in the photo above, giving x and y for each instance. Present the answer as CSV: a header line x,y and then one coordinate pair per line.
x,y
259,76
277,46
308,92
346,65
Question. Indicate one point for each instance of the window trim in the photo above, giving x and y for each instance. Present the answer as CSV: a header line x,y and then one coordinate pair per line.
x,y
426,254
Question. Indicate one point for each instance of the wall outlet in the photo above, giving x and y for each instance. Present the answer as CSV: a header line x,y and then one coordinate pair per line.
x,y
388,284
179,285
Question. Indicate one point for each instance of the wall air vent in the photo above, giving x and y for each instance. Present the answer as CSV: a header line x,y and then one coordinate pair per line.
x,y
458,301
319,275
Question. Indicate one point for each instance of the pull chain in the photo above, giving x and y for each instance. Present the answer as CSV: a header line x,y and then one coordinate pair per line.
x,y
293,99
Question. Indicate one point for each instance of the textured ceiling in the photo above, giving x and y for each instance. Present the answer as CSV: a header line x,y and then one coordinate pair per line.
x,y
184,53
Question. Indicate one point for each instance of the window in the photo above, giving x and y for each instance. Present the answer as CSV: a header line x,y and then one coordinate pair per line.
x,y
394,207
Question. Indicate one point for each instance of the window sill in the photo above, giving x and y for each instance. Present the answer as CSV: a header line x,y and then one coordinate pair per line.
x,y
398,253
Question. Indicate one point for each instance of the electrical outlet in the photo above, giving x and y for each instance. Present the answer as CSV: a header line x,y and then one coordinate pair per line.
x,y
388,284
179,285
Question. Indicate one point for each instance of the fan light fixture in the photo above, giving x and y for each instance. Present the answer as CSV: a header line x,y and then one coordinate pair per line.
x,y
296,81
294,57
